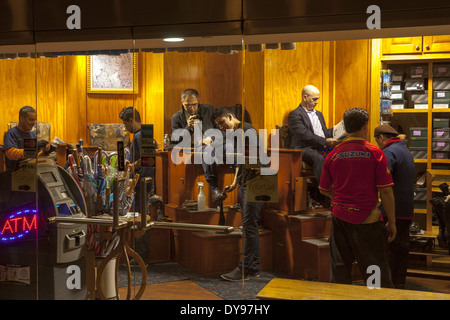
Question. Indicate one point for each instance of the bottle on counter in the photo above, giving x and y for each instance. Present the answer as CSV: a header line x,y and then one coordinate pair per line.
x,y
201,198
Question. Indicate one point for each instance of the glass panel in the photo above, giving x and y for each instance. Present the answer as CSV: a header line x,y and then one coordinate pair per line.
x,y
21,222
80,95
182,85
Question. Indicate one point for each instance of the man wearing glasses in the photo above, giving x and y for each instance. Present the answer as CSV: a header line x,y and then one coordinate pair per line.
x,y
190,115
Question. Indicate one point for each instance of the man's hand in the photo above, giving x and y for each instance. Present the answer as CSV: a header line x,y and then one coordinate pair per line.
x,y
230,188
49,148
136,165
192,120
207,141
330,142
391,229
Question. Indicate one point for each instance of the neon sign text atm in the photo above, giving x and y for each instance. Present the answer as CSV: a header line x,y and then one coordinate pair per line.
x,y
17,225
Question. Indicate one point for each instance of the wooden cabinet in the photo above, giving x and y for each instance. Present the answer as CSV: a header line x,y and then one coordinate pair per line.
x,y
405,45
416,45
436,44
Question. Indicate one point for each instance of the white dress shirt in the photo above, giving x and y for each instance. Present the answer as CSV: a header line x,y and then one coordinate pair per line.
x,y
317,127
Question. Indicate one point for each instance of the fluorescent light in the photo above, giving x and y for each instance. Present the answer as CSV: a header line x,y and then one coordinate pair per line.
x,y
173,39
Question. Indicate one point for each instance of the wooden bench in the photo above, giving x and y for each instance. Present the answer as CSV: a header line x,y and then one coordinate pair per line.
x,y
287,289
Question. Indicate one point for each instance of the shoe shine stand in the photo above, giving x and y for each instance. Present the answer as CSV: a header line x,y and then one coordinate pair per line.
x,y
125,228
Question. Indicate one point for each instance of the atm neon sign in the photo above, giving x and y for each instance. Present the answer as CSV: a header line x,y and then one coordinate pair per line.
x,y
18,225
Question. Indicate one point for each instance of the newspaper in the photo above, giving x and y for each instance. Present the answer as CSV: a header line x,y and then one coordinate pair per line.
x,y
339,131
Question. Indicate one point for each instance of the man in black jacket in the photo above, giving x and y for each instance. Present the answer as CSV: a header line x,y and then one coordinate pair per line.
x,y
309,132
193,113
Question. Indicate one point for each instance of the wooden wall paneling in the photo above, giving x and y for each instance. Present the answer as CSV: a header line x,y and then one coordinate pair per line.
x,y
181,71
50,94
327,95
17,89
253,100
217,77
153,93
75,96
352,82
375,67
222,79
286,72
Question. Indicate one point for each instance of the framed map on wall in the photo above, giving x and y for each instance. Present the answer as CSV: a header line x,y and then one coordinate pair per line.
x,y
112,73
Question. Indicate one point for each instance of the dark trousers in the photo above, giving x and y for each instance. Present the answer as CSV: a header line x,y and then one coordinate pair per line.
x,y
399,252
365,243
250,216
315,159
210,161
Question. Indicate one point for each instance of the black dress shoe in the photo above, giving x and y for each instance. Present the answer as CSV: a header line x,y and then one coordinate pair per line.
x,y
218,196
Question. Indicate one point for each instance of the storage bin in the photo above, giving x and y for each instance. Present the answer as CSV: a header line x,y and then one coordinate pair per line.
x,y
397,95
399,104
441,95
441,70
441,123
418,71
441,154
441,144
441,133
419,153
397,86
397,76
420,105
419,132
415,85
418,142
421,97
441,84
441,103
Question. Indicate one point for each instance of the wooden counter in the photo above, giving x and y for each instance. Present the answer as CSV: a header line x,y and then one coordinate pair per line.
x,y
287,289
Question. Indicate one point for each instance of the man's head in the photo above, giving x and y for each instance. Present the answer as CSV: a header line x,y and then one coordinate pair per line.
x,y
131,119
356,120
310,97
225,118
27,118
383,133
189,100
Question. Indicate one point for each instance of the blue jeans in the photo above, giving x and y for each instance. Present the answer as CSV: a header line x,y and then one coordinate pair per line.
x,y
250,216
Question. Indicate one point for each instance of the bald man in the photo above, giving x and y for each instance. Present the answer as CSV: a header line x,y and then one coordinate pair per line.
x,y
309,132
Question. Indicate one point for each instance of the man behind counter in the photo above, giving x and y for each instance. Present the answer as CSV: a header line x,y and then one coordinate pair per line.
x,y
191,113
132,121
14,138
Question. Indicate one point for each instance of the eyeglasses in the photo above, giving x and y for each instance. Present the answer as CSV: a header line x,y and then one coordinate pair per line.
x,y
191,105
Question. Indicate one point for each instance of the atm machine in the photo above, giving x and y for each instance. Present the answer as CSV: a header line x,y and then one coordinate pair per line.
x,y
37,259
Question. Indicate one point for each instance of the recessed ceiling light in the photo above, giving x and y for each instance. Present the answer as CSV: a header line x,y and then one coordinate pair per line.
x,y
173,39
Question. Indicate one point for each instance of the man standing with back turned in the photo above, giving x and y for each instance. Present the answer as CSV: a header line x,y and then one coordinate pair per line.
x,y
353,174
401,164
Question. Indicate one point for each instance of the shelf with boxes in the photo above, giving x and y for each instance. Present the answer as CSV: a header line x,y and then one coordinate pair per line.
x,y
404,86
415,99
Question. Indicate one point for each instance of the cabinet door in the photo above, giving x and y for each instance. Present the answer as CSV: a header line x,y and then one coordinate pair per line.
x,y
436,44
406,45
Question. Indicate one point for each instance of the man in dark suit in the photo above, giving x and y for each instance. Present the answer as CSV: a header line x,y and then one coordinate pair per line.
x,y
309,132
